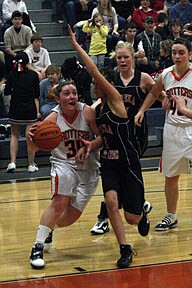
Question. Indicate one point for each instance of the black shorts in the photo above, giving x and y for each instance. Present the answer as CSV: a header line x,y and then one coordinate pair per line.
x,y
129,186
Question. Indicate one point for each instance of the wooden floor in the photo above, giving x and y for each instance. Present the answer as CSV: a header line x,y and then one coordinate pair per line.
x,y
78,259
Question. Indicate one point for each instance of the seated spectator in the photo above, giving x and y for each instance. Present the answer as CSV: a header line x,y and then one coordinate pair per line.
x,y
139,14
8,7
151,44
16,38
175,29
187,31
78,11
124,10
130,34
38,56
162,27
166,54
57,11
109,14
181,11
47,99
71,69
99,31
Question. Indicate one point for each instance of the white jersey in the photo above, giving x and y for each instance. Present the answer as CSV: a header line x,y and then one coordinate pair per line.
x,y
70,144
181,87
38,60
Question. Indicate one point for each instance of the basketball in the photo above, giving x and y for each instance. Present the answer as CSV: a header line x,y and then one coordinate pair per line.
x,y
47,135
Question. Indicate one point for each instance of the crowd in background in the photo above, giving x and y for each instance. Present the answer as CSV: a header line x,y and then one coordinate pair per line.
x,y
150,26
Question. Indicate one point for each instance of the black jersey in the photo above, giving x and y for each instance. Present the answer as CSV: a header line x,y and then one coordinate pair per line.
x,y
133,98
118,149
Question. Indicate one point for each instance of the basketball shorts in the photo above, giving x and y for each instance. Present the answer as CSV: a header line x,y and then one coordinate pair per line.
x,y
79,185
128,184
177,150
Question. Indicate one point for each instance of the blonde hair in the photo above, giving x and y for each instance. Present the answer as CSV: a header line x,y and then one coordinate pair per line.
x,y
123,45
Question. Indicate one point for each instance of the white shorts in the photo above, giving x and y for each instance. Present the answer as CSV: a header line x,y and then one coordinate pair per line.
x,y
79,185
177,150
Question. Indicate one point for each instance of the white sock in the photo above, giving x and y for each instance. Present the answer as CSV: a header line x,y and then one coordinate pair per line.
x,y
172,216
42,233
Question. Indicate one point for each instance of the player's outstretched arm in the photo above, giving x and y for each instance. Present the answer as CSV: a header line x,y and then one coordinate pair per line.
x,y
114,99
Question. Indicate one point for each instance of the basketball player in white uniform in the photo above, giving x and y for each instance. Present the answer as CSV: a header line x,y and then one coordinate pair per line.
x,y
73,184
177,135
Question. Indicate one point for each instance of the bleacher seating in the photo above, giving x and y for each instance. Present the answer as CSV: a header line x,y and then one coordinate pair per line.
x,y
57,43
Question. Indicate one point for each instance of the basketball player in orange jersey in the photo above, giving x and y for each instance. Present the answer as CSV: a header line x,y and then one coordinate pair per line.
x,y
72,184
177,135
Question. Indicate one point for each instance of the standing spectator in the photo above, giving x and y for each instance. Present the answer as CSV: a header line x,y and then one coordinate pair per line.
x,y
151,44
39,58
8,7
99,31
124,10
139,14
16,38
177,148
162,27
23,86
175,29
182,11
110,17
47,99
71,69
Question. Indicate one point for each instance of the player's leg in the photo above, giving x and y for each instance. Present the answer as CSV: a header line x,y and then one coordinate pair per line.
x,y
171,194
15,133
48,220
118,228
32,166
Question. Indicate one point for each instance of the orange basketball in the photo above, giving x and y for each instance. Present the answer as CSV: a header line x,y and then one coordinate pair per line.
x,y
47,136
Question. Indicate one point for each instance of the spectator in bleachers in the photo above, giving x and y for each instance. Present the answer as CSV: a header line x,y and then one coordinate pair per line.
x,y
71,69
98,47
23,86
166,54
57,11
16,38
110,17
130,34
182,11
151,44
187,31
124,10
162,27
8,7
175,29
38,56
139,14
78,11
47,98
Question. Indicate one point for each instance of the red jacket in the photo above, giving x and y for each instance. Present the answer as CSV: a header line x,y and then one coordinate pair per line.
x,y
139,15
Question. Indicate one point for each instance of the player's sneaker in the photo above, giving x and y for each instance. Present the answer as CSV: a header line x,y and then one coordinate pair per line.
x,y
126,256
33,168
36,257
166,223
48,242
11,167
100,227
144,224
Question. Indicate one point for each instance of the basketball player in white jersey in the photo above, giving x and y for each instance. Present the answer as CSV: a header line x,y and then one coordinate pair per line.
x,y
73,184
177,148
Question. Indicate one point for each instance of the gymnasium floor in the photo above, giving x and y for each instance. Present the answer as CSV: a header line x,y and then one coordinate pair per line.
x,y
79,260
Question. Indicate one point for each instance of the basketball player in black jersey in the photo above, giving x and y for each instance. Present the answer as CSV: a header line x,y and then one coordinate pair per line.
x,y
120,166
133,85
